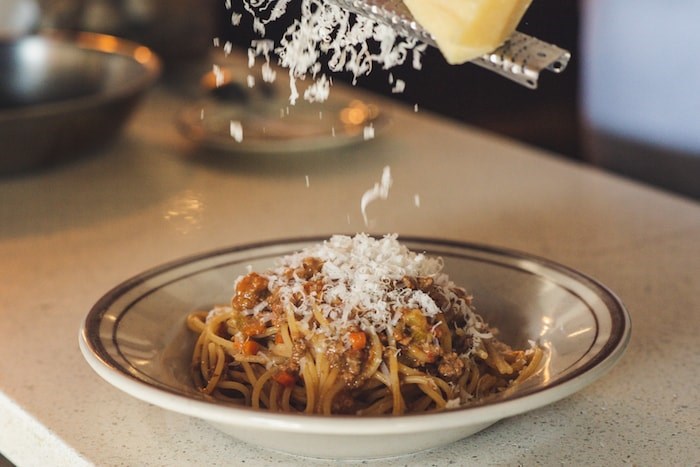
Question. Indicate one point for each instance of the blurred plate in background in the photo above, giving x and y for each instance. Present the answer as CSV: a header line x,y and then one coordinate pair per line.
x,y
235,117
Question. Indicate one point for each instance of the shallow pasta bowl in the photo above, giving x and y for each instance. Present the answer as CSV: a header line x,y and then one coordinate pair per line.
x,y
135,337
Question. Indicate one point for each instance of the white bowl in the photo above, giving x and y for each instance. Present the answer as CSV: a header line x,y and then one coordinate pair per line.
x,y
135,337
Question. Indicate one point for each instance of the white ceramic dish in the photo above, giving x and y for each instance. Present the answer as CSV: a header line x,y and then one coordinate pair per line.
x,y
136,339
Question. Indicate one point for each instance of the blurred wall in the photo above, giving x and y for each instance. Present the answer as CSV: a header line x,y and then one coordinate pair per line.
x,y
640,102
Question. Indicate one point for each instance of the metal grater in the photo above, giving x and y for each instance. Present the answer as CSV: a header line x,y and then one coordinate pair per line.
x,y
521,58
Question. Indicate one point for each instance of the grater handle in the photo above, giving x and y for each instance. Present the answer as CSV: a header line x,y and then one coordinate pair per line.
x,y
521,58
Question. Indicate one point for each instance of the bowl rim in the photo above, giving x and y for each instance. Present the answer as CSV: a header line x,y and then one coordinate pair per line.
x,y
93,43
216,412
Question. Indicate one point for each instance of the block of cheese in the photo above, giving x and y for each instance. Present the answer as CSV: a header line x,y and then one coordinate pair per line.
x,y
467,29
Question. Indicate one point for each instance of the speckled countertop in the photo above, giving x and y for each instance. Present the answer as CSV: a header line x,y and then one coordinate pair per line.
x,y
69,234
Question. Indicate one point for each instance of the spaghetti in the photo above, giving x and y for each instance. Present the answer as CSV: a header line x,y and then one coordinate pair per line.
x,y
355,325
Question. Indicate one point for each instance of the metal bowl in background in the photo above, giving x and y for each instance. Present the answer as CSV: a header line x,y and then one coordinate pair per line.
x,y
63,94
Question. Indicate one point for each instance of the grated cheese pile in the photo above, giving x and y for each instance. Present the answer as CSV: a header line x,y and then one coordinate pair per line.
x,y
346,41
359,276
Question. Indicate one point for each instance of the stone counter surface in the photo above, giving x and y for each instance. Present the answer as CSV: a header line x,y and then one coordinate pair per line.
x,y
69,234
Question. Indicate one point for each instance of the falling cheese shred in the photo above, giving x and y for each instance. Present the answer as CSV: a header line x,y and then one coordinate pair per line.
x,y
325,32
380,190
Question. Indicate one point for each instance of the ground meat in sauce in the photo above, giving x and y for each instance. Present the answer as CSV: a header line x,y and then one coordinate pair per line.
x,y
451,366
449,306
348,361
461,343
352,367
292,365
250,290
278,312
309,268
417,283
314,289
